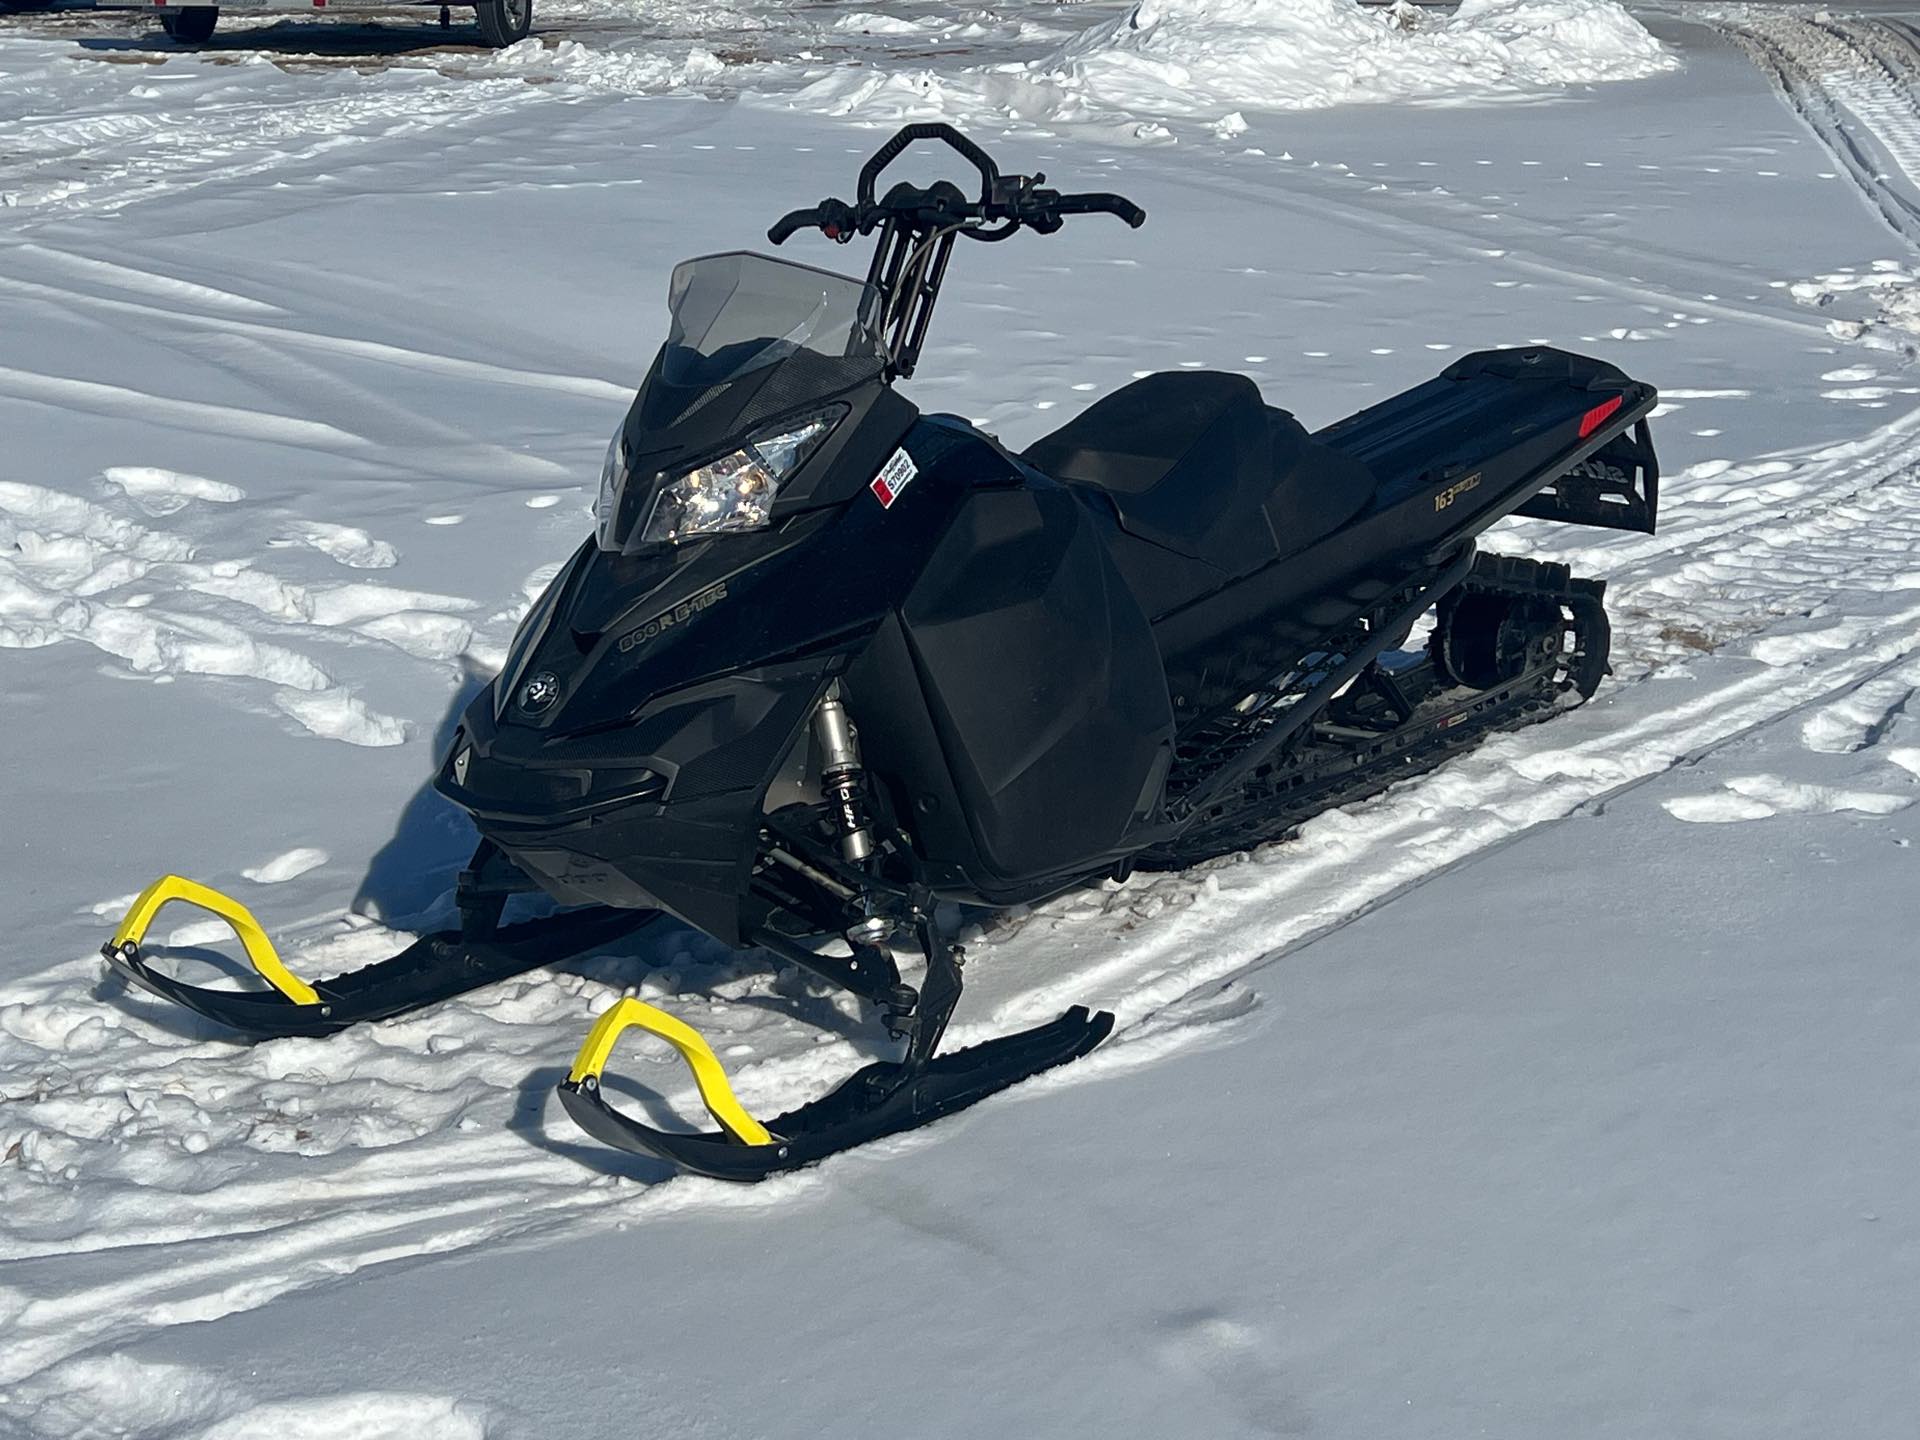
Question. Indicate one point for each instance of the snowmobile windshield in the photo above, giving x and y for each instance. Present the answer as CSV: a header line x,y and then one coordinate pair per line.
x,y
791,342
737,313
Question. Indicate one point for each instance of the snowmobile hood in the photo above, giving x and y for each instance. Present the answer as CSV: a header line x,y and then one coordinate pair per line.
x,y
617,638
653,697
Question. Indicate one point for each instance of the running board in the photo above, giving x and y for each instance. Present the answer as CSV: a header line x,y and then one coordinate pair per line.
x,y
435,967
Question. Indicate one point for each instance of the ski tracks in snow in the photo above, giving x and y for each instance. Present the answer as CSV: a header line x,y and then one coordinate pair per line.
x,y
164,571
1855,83
89,154
265,351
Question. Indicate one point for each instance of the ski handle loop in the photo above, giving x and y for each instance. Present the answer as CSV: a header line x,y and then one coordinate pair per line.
x,y
715,1091
259,948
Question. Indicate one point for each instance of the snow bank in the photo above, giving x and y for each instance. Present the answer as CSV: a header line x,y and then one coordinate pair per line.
x,y
627,72
1188,59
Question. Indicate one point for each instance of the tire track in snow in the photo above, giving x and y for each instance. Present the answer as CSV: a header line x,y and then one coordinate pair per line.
x,y
430,362
1883,94
104,161
1826,69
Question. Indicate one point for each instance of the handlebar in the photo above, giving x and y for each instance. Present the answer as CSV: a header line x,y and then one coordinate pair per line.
x,y
917,228
1005,203
1098,202
1011,201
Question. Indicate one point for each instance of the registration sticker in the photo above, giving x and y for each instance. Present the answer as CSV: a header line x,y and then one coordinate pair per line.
x,y
894,477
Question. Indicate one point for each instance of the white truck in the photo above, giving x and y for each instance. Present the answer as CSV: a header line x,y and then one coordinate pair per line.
x,y
501,21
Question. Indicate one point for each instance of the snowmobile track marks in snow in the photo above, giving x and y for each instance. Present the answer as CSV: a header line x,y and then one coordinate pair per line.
x,y
1828,69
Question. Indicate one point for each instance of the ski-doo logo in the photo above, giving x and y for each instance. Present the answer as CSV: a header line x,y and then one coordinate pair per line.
x,y
1454,491
678,615
540,692
1594,469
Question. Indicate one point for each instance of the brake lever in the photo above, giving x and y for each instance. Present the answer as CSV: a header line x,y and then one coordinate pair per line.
x,y
1021,200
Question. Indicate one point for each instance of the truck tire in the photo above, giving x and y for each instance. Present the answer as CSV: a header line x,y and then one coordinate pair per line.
x,y
192,25
502,22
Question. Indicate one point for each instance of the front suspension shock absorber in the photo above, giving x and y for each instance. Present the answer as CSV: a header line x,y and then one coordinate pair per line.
x,y
842,777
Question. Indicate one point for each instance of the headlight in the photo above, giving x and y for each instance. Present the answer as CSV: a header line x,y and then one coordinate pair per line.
x,y
613,479
735,492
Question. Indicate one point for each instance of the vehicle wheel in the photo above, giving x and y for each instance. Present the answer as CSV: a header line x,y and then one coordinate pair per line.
x,y
192,25
502,22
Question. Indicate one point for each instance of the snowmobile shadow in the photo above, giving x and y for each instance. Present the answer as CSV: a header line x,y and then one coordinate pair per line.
x,y
413,873
797,998
529,1123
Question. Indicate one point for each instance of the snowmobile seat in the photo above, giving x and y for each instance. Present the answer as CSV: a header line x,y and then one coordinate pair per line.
x,y
1195,462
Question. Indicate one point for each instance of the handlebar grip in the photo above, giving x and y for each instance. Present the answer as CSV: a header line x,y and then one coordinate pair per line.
x,y
793,220
834,218
1101,203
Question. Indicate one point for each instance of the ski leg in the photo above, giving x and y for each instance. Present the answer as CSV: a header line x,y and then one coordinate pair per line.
x,y
483,889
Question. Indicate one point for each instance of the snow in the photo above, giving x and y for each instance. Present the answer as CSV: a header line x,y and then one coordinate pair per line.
x,y
290,866
1548,1094
1208,59
1588,1170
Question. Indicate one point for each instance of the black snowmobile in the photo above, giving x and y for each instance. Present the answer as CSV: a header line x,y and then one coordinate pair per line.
x,y
829,664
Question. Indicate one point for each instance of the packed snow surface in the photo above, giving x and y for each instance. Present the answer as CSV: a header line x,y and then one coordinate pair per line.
x,y
1212,58
1547,1094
